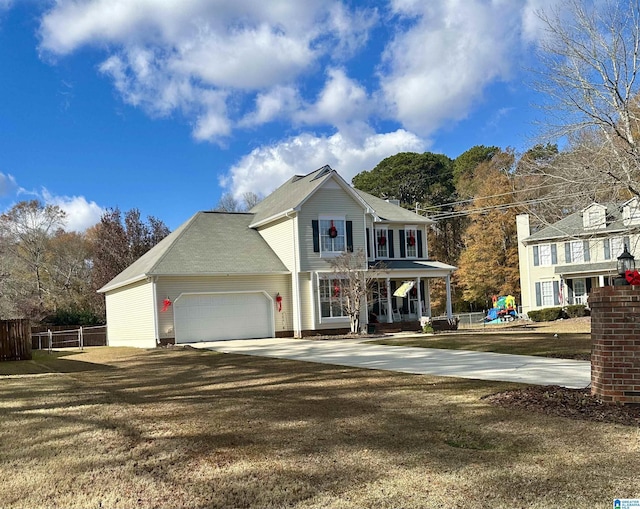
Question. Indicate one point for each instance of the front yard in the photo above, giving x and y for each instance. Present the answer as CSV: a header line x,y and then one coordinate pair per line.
x,y
184,428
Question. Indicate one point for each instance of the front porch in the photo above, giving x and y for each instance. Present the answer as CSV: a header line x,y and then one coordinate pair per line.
x,y
403,297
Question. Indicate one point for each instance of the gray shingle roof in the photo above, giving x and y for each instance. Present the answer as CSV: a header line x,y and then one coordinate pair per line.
x,y
572,226
208,243
390,212
290,194
293,192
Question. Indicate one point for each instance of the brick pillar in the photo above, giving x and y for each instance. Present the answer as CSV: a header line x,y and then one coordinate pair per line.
x,y
615,337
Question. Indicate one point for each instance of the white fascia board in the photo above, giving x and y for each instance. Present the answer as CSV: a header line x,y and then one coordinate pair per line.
x,y
108,288
275,217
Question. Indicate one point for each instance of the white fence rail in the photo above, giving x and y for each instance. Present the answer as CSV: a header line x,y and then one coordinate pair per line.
x,y
71,338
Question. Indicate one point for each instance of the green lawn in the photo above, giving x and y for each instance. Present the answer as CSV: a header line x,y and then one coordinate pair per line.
x,y
568,346
177,427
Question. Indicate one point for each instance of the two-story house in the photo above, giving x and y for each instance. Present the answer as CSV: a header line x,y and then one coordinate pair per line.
x,y
562,262
267,272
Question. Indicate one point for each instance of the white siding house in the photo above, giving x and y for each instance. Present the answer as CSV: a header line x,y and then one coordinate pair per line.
x,y
268,272
562,262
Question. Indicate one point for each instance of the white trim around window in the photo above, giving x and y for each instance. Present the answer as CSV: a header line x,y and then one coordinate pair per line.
x,y
332,246
381,242
411,232
331,297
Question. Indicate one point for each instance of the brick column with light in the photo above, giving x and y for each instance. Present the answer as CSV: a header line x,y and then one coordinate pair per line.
x,y
615,350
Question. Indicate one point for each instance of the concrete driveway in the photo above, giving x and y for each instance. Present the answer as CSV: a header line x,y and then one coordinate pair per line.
x,y
421,361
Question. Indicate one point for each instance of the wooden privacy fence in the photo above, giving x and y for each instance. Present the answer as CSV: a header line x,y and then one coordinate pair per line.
x,y
15,340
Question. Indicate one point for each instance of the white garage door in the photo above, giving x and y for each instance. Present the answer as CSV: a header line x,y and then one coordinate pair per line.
x,y
214,316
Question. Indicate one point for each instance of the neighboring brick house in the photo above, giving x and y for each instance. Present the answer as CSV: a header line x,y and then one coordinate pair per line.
x,y
267,272
562,262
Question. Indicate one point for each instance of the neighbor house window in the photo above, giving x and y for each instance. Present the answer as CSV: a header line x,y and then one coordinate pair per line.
x,y
331,298
382,243
411,241
332,235
614,247
545,254
548,293
576,251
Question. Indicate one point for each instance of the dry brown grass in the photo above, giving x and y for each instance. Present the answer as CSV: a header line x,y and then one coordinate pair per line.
x,y
185,428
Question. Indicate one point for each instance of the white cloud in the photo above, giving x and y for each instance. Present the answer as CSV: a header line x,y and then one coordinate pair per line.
x,y
532,27
437,69
80,213
175,55
341,102
266,168
8,184
275,103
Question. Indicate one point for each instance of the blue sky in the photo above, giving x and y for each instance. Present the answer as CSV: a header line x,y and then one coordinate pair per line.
x,y
164,105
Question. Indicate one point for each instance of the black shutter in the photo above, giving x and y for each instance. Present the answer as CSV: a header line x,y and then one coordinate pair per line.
x,y
390,241
538,295
405,304
350,236
536,256
585,249
554,254
567,252
368,243
556,293
392,288
316,236
419,240
402,246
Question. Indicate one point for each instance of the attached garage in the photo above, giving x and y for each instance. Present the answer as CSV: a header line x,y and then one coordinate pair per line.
x,y
218,316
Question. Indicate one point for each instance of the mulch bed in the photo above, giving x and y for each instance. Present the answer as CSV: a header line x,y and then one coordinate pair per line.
x,y
563,402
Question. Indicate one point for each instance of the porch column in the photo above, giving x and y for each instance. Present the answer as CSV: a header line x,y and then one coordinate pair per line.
x,y
389,310
449,308
427,297
419,295
600,281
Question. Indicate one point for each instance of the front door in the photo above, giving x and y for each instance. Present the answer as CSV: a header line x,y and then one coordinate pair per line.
x,y
579,291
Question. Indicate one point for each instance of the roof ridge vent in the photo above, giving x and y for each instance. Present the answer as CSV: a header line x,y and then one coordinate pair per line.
x,y
325,170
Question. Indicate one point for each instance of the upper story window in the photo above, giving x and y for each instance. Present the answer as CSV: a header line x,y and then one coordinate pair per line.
x,y
332,234
382,243
411,241
545,254
576,251
614,247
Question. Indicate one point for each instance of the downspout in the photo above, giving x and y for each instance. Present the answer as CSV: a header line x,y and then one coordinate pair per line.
x,y
154,286
297,316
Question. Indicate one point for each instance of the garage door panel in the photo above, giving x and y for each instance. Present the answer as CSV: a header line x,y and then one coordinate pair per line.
x,y
211,317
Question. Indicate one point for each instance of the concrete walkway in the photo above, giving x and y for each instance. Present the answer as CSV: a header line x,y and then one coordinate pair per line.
x,y
422,361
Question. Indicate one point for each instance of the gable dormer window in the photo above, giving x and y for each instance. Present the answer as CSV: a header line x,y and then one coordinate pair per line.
x,y
332,234
631,212
594,216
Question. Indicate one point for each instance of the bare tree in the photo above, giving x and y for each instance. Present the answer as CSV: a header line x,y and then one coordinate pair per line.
x,y
228,203
26,230
251,199
354,281
590,59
